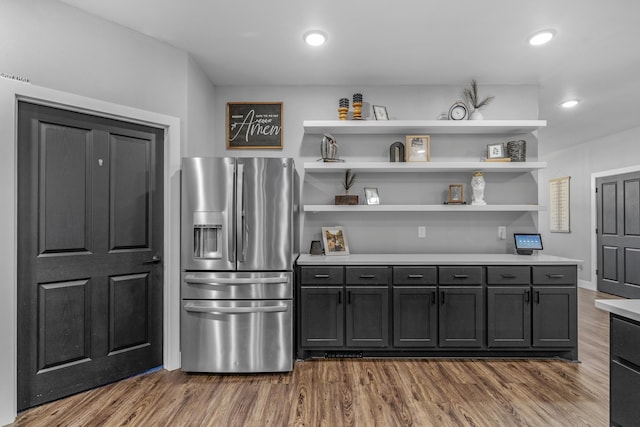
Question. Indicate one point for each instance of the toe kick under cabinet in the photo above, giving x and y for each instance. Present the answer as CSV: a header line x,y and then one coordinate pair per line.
x,y
420,310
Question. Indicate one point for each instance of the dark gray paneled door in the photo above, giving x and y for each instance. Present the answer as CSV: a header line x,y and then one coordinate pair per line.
x,y
90,215
618,234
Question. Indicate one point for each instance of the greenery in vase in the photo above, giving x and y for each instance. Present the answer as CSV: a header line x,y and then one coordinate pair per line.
x,y
471,93
349,180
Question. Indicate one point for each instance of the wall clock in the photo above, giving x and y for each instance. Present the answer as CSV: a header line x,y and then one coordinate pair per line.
x,y
458,111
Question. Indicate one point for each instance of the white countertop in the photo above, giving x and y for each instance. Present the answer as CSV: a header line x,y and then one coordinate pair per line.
x,y
435,259
629,308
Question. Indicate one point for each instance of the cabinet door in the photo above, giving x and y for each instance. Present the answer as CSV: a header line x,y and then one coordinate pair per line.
x,y
461,316
508,316
414,316
624,394
554,316
321,317
367,316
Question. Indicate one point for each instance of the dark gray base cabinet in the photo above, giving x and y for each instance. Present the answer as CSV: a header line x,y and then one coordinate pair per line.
x,y
531,307
431,311
624,387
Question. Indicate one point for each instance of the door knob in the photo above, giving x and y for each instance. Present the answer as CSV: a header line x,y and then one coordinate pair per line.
x,y
153,260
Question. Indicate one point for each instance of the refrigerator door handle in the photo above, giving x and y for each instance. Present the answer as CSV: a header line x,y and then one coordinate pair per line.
x,y
236,310
231,237
240,212
232,281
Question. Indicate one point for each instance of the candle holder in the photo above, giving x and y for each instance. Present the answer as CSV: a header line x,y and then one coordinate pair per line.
x,y
357,106
343,108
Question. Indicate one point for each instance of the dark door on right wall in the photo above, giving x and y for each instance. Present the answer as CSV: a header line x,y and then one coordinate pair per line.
x,y
618,234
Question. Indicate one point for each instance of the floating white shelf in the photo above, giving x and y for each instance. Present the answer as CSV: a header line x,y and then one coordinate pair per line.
x,y
422,208
430,127
321,167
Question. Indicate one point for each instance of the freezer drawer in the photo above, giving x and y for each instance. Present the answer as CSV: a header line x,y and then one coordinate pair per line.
x,y
237,336
237,285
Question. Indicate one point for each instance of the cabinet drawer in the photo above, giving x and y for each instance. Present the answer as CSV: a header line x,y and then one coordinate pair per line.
x,y
519,275
415,275
367,275
460,275
322,275
554,275
625,340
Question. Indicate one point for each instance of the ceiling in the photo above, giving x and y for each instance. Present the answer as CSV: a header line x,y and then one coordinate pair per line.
x,y
414,42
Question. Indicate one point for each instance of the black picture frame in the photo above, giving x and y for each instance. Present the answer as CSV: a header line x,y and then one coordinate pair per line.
x,y
254,125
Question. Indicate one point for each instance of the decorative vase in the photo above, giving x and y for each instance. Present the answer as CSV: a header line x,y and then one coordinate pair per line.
x,y
477,186
517,150
476,115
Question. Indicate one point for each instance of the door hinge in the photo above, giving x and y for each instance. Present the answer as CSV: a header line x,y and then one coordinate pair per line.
x,y
596,271
596,189
596,231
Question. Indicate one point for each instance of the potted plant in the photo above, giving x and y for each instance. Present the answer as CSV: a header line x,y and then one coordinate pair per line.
x,y
471,94
347,183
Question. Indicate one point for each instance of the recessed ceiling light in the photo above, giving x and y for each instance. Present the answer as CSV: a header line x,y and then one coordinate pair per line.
x,y
315,38
541,37
570,103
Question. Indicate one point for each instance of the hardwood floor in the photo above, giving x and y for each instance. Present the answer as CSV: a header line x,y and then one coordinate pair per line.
x,y
363,392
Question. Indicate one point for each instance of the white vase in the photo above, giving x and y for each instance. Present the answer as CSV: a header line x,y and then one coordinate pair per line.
x,y
476,115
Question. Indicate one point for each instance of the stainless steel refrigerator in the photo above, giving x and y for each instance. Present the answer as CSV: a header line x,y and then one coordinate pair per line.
x,y
239,243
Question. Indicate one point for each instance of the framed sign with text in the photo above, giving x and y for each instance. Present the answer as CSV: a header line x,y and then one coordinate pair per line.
x,y
254,125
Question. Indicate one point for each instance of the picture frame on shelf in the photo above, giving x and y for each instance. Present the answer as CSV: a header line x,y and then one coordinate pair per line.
x,y
495,151
371,196
418,148
334,240
380,112
456,194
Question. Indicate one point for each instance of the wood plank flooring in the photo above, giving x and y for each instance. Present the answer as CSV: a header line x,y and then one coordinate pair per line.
x,y
363,392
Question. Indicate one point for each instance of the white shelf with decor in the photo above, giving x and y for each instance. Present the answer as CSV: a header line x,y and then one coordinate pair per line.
x,y
432,127
329,167
422,208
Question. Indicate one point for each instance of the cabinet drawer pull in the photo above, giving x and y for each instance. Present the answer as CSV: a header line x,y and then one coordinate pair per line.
x,y
339,297
321,276
537,294
555,276
460,276
415,276
508,276
442,297
367,276
433,298
348,297
527,296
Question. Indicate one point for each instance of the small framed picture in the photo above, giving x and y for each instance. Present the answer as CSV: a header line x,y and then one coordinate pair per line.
x,y
380,112
495,151
456,194
334,240
417,148
371,196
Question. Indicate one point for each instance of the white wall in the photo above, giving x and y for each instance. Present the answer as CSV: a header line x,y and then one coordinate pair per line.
x,y
200,106
397,233
610,153
58,47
